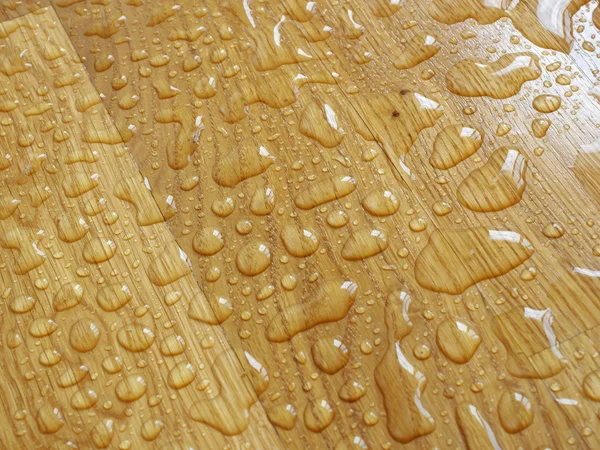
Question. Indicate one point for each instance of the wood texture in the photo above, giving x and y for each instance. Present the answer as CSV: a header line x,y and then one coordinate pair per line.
x,y
425,219
98,349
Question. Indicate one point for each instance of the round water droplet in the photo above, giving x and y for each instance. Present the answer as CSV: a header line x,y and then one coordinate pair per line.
x,y
283,416
381,202
49,419
515,411
253,258
352,391
112,364
68,296
337,219
553,230
591,386
458,339
364,243
84,335
546,103
208,241
135,338
441,208
172,345
113,297
263,201
151,429
318,415
299,242
131,388
84,399
99,250
21,304
181,375
42,327
330,354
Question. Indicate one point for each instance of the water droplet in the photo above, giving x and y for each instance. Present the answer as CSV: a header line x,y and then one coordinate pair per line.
x,y
84,399
299,242
337,219
240,164
172,345
42,327
208,241
210,309
319,121
169,266
253,258
553,230
531,345
394,120
71,227
113,297
540,127
151,429
318,415
112,364
546,103
84,335
400,383
455,260
22,304
591,386
381,202
441,208
330,303
352,391
181,375
49,419
263,201
130,388
228,411
476,431
135,338
499,79
49,357
73,376
283,416
134,190
324,191
458,339
102,433
99,250
497,185
420,48
515,411
330,354
78,184
364,243
454,144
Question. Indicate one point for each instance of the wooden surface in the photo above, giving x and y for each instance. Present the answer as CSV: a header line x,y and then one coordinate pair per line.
x,y
93,352
398,178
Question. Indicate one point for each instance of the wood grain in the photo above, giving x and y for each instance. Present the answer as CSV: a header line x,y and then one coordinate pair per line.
x,y
289,145
93,352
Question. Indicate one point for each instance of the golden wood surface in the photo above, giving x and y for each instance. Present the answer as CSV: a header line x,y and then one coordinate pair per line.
x,y
391,208
92,352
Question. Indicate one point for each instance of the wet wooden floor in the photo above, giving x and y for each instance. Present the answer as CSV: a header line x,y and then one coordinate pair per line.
x,y
290,224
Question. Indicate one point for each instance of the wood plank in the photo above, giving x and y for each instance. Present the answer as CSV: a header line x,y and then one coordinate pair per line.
x,y
358,75
98,348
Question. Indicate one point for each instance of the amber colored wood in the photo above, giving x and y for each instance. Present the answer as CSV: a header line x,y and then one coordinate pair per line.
x,y
86,289
294,146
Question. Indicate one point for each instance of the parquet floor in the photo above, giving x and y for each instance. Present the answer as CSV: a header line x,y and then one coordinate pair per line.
x,y
288,224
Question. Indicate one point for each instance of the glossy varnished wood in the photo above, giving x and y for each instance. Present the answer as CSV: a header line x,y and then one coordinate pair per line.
x,y
92,354
294,146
